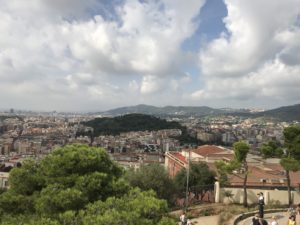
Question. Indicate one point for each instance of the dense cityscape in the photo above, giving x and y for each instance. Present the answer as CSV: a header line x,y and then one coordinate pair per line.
x,y
34,135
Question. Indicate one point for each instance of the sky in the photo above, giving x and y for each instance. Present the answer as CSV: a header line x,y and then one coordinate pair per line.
x,y
94,55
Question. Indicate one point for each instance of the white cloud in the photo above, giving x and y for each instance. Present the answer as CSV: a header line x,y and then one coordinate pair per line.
x,y
94,55
58,48
151,85
133,86
258,57
251,26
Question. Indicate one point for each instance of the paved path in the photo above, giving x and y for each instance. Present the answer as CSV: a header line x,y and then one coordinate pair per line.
x,y
282,218
206,220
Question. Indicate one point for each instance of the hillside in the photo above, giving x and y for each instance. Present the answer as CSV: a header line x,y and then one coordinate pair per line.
x,y
285,113
135,122
167,110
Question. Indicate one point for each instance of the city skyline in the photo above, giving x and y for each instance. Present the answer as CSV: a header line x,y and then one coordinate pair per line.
x,y
73,55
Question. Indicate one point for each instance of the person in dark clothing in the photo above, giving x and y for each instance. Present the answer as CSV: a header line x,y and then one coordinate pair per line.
x,y
261,203
255,220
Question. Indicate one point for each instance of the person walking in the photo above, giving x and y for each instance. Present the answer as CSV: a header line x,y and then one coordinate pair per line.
x,y
274,221
292,220
182,219
261,203
189,222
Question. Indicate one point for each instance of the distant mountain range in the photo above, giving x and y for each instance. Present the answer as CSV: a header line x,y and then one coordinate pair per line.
x,y
170,110
285,113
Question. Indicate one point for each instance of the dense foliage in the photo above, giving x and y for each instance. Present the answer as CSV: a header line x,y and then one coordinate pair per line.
x,y
201,179
130,122
74,185
271,149
289,155
153,177
290,160
134,122
239,162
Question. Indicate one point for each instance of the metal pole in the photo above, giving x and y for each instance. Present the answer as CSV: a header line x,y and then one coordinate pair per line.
x,y
187,183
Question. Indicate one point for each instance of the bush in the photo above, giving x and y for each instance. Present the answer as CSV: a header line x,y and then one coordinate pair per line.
x,y
231,211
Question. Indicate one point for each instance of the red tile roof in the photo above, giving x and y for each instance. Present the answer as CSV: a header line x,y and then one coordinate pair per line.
x,y
205,150
179,156
295,179
271,173
224,156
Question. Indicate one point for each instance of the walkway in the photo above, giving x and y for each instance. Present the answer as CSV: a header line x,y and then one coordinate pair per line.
x,y
206,220
282,218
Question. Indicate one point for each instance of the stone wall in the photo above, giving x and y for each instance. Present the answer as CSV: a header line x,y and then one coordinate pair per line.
x,y
271,196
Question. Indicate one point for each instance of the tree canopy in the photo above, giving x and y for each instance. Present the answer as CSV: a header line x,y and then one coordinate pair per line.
x,y
201,178
272,149
69,185
290,160
239,163
289,153
135,122
153,177
130,122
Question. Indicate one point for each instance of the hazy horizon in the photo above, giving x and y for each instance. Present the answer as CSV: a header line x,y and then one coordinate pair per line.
x,y
96,55
125,106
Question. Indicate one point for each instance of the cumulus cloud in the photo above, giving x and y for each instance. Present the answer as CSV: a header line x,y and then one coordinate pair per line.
x,y
249,41
257,58
151,85
94,55
78,49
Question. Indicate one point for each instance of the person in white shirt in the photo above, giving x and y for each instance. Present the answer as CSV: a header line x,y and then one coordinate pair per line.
x,y
189,222
182,219
274,221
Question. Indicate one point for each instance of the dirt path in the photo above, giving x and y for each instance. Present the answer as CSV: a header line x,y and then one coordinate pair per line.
x,y
206,220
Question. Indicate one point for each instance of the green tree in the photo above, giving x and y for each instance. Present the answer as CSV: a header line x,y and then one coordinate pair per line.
x,y
25,180
67,179
15,203
77,185
241,150
222,172
153,177
239,163
135,208
24,187
201,178
272,149
291,158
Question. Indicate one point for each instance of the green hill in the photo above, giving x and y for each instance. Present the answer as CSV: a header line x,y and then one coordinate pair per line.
x,y
135,122
285,113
